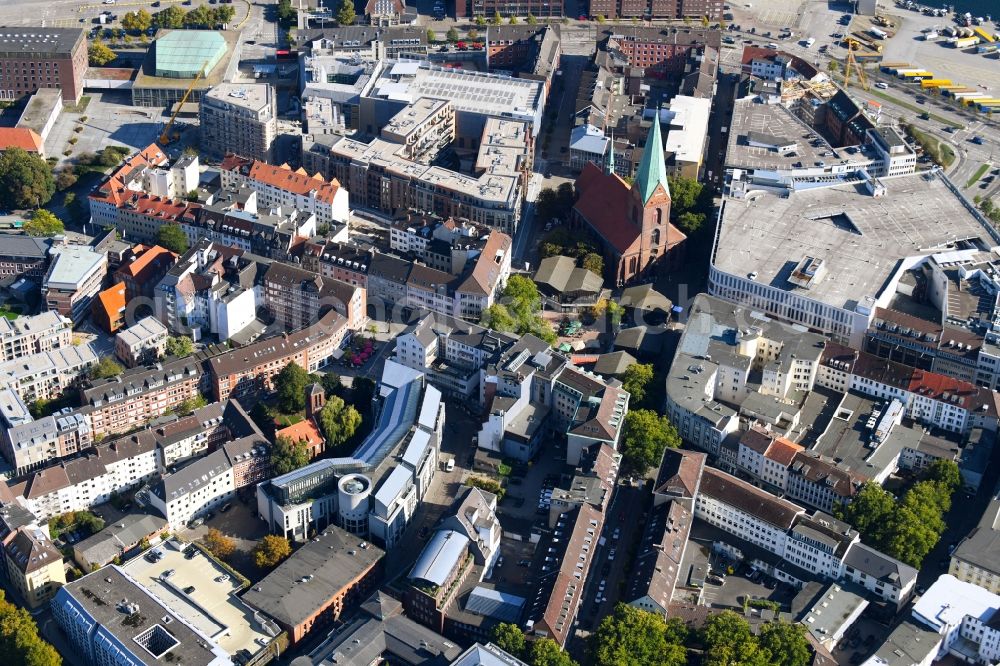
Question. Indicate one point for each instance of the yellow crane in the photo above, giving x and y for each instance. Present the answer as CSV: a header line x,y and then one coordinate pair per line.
x,y
852,64
165,138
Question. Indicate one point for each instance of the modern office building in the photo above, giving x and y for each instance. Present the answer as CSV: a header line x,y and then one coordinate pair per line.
x,y
239,118
73,279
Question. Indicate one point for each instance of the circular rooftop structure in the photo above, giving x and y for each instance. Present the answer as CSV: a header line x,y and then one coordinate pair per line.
x,y
181,54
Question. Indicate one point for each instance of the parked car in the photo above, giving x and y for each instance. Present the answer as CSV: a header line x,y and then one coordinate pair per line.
x,y
189,589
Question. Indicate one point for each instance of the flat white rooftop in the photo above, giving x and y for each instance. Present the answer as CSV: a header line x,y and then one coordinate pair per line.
x,y
860,239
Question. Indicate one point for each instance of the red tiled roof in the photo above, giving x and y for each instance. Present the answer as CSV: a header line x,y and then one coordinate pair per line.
x,y
20,137
486,273
111,301
298,182
113,189
303,431
782,451
145,265
605,203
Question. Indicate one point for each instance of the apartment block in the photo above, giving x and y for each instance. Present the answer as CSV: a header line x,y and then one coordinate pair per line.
x,y
36,443
248,370
119,404
34,565
143,269
280,186
46,375
24,256
35,58
239,118
297,297
29,335
976,559
142,343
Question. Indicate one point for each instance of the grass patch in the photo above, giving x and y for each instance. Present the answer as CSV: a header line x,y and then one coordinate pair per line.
x,y
79,107
979,174
937,150
9,312
285,420
916,109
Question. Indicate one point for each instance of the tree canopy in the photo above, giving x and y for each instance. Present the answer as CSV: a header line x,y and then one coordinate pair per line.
x,y
728,641
338,421
106,367
171,18
99,54
290,385
519,311
786,644
647,434
171,237
633,636
271,550
219,544
44,223
20,644
636,379
288,456
287,15
180,346
26,180
139,21
346,14
509,637
546,652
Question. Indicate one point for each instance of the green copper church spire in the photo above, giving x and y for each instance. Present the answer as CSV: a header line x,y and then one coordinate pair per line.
x,y
653,168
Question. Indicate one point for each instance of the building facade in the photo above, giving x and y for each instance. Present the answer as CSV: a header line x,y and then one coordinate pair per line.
x,y
239,118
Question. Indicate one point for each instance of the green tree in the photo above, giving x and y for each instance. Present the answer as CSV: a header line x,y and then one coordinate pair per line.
x,y
25,180
600,18
690,222
288,456
498,318
338,421
472,35
170,18
497,19
646,436
224,14
431,37
89,522
219,544
139,21
833,66
201,16
180,346
452,35
271,550
509,637
362,393
704,21
786,643
20,643
287,15
480,21
635,379
944,472
346,14
523,303
171,237
870,513
531,20
512,20
44,223
188,405
290,385
106,367
66,178
684,193
546,652
633,636
593,262
728,641
99,55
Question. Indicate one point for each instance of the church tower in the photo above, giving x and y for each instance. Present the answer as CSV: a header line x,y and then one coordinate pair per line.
x,y
651,200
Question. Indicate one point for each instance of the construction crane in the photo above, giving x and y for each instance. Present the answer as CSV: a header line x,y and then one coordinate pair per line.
x,y
165,138
852,64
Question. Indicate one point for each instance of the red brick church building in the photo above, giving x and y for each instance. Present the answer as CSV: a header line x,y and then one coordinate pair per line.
x,y
632,221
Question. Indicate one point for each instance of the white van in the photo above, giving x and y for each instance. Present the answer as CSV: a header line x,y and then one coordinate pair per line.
x,y
450,465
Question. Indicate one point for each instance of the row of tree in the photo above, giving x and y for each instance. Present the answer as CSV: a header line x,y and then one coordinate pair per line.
x,y
20,644
632,636
266,554
907,528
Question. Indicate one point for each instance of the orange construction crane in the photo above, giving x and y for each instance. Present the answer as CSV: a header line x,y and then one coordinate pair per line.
x,y
852,64
165,138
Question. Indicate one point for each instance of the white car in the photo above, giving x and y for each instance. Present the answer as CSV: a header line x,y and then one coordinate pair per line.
x,y
882,86
222,579
109,2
